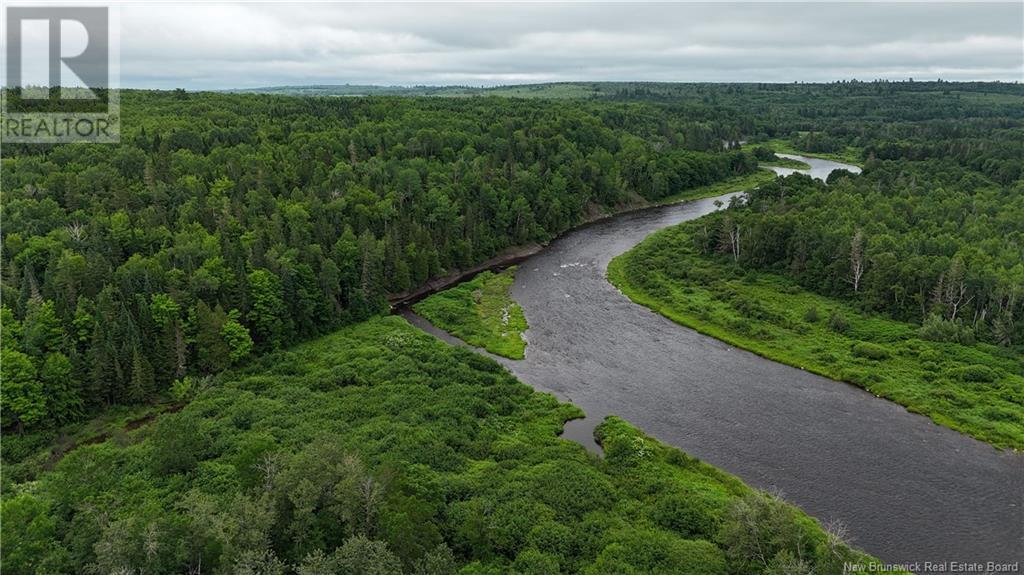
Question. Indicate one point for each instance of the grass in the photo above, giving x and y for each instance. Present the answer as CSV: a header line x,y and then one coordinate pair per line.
x,y
977,389
851,155
480,312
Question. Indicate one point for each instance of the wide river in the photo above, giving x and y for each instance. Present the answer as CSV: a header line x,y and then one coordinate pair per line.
x,y
908,490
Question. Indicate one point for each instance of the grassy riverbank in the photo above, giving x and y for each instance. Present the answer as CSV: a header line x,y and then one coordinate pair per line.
x,y
849,155
780,162
975,389
480,312
394,446
727,186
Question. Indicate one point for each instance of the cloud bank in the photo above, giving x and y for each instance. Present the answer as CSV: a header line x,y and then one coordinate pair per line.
x,y
212,46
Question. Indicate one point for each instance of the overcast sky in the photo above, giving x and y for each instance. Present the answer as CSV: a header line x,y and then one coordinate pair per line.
x,y
201,46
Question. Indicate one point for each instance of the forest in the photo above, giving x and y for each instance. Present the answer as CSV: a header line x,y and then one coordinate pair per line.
x,y
197,377
229,225
226,226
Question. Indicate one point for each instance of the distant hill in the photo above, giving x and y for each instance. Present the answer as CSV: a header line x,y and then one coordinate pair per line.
x,y
560,90
657,91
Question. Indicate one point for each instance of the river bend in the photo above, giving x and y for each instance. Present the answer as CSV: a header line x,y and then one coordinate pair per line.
x,y
908,490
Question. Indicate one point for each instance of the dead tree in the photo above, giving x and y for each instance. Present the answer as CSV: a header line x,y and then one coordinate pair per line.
x,y
956,290
857,263
729,239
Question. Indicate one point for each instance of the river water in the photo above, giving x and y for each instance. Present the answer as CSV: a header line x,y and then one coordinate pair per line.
x,y
908,490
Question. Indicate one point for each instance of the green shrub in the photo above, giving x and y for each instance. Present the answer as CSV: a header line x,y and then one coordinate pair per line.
x,y
759,526
936,328
763,154
869,350
859,376
178,443
551,537
811,315
953,396
571,488
838,323
511,522
534,562
739,325
651,551
748,306
975,373
685,513
1003,414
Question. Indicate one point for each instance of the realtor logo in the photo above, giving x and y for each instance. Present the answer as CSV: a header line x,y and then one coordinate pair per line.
x,y
60,76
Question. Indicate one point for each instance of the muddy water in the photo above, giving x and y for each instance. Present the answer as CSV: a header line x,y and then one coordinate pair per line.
x,y
908,490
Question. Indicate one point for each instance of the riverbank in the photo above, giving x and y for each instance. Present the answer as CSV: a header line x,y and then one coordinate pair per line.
x,y
967,388
517,254
729,186
850,155
480,312
781,162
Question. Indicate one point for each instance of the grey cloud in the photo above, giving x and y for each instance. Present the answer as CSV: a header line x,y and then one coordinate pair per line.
x,y
244,45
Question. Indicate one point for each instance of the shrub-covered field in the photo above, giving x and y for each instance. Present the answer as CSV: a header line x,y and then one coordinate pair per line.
x,y
380,449
480,312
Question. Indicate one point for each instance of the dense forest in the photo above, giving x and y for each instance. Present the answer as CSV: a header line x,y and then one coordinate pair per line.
x,y
225,226
924,241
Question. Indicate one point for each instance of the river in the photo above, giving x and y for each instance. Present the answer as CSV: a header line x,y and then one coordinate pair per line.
x,y
908,490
